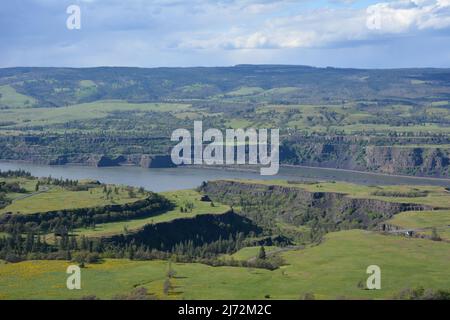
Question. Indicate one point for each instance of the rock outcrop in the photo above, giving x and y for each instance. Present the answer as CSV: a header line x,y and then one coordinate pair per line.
x,y
431,161
267,204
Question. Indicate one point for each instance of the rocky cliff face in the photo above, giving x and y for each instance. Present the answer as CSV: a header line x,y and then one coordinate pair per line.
x,y
346,154
88,159
158,161
354,153
267,204
415,161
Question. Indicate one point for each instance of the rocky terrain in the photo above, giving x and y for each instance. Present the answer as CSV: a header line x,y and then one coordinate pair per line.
x,y
268,204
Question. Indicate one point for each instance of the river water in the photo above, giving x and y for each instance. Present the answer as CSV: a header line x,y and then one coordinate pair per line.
x,y
184,178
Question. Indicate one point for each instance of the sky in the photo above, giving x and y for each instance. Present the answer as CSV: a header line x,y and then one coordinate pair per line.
x,y
168,33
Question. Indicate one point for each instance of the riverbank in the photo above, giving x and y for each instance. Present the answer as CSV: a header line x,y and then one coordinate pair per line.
x,y
167,179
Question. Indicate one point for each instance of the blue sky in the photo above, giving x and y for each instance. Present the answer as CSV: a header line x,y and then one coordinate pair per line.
x,y
151,33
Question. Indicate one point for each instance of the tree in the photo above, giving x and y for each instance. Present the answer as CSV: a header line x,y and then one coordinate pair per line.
x,y
435,235
262,253
167,286
171,272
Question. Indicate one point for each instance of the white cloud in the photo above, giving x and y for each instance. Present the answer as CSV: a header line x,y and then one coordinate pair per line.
x,y
322,27
206,32
409,15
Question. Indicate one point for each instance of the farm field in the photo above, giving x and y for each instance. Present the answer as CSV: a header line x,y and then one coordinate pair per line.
x,y
78,112
330,270
10,97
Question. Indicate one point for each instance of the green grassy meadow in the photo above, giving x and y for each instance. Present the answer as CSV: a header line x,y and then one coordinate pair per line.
x,y
57,198
179,198
335,268
424,220
435,196
330,270
11,98
85,111
248,253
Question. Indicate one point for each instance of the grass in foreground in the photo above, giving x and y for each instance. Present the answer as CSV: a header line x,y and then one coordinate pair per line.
x,y
330,270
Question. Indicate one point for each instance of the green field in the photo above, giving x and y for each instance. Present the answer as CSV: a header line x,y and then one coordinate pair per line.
x,y
436,196
245,91
11,98
248,253
424,220
180,198
57,198
28,184
86,111
330,270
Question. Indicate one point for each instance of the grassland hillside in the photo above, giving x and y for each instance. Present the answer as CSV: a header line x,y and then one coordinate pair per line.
x,y
230,239
334,269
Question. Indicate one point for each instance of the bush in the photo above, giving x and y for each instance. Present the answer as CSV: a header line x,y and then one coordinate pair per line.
x,y
399,194
86,257
137,294
423,294
309,296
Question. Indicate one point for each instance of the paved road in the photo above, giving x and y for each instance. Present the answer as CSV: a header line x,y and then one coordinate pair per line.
x,y
42,190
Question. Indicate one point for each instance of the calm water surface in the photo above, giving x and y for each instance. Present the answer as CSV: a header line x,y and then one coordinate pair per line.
x,y
183,178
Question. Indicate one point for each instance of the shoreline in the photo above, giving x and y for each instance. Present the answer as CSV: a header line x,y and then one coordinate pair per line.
x,y
246,168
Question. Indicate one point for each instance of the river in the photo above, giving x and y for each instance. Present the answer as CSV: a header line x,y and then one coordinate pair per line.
x,y
184,178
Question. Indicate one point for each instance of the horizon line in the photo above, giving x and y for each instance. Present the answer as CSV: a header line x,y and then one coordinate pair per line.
x,y
223,66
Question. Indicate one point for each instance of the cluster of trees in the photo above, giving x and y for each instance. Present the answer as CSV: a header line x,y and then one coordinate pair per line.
x,y
400,194
15,174
59,182
33,246
111,191
16,247
208,250
188,206
9,187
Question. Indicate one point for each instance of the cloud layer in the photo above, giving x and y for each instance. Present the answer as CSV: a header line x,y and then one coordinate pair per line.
x,y
359,33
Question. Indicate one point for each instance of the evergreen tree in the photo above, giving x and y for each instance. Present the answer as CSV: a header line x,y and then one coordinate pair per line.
x,y
262,253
